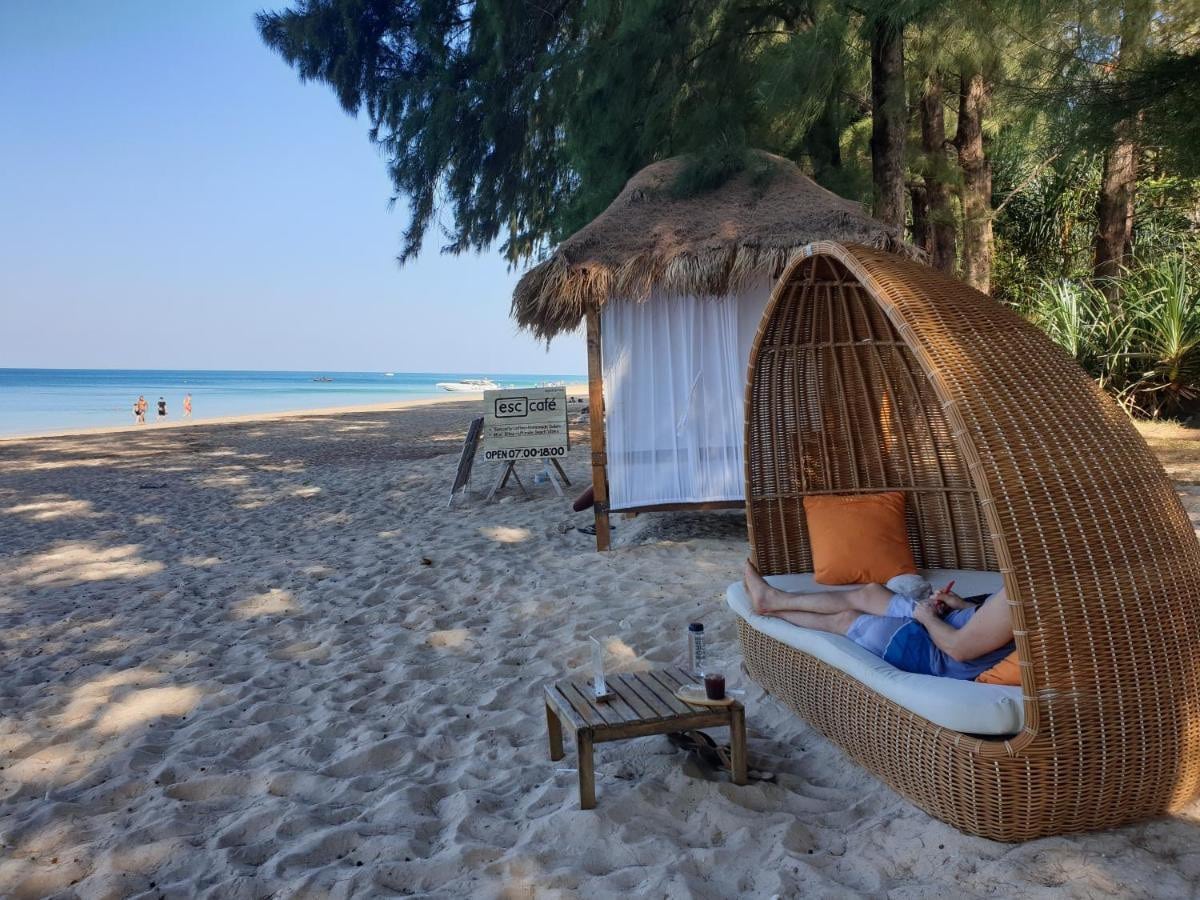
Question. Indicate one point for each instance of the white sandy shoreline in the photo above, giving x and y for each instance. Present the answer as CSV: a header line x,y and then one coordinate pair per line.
x,y
242,418
268,661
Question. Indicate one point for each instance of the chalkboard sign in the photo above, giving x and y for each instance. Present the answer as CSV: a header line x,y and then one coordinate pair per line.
x,y
467,459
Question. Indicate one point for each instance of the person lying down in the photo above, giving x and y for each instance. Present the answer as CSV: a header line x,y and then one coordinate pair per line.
x,y
910,634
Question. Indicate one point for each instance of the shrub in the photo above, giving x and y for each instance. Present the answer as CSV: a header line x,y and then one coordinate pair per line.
x,y
1076,317
1144,347
1164,307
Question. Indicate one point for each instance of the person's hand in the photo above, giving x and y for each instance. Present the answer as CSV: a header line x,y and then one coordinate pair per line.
x,y
951,600
925,612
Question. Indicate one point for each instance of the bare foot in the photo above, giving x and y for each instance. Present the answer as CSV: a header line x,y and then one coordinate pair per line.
x,y
759,591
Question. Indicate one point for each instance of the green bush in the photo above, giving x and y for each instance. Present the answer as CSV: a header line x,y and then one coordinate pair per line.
x,y
1143,345
1164,306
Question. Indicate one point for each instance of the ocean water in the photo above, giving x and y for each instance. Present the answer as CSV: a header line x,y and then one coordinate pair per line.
x,y
40,400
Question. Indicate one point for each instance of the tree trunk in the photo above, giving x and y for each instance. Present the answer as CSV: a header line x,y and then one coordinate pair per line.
x,y
921,231
888,121
977,182
940,241
1114,209
1114,206
822,143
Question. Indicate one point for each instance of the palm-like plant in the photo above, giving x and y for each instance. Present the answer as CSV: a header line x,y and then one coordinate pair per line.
x,y
1146,351
1165,307
1076,316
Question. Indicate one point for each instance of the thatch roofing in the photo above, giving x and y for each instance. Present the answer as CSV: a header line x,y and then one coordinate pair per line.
x,y
709,244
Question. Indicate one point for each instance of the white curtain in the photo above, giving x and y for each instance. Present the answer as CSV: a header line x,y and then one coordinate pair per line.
x,y
674,390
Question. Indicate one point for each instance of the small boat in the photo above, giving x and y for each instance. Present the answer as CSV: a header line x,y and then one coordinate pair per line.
x,y
468,385
389,374
323,378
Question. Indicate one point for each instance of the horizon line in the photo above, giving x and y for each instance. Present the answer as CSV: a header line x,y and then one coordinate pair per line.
x,y
274,371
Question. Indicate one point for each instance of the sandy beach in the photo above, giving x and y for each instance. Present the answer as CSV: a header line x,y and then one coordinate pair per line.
x,y
179,421
263,659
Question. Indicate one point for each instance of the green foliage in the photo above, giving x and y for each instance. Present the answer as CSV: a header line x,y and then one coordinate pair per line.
x,y
1075,315
1163,300
461,100
1163,92
1146,350
654,79
525,121
1045,230
517,124
1166,208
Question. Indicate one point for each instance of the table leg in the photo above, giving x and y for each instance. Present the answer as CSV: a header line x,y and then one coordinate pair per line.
x,y
737,743
587,774
554,727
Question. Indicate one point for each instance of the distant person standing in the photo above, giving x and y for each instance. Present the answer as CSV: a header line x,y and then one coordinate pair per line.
x,y
187,406
139,409
162,409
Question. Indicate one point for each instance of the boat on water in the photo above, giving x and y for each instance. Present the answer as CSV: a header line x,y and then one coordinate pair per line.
x,y
389,374
468,385
323,378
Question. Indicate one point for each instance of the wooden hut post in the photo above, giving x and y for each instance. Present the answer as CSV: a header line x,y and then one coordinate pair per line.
x,y
596,417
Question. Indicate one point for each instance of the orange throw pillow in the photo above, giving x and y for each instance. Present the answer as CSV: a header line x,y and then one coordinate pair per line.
x,y
858,538
1007,671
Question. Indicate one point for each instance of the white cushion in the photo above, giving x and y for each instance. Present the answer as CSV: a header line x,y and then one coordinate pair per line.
x,y
952,703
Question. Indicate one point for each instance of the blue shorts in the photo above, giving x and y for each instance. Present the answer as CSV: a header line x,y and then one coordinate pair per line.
x,y
901,640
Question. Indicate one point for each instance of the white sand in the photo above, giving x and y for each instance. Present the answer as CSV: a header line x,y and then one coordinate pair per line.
x,y
227,673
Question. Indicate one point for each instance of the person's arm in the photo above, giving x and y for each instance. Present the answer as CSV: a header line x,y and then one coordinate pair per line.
x,y
989,629
952,600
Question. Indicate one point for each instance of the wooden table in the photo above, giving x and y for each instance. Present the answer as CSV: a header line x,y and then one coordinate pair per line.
x,y
645,703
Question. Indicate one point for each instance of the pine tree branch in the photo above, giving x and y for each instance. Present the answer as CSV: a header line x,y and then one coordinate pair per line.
x,y
1026,181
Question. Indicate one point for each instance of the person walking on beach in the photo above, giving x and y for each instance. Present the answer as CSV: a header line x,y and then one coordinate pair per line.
x,y
162,409
187,406
139,409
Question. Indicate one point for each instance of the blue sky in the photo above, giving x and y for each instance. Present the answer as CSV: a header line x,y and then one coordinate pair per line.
x,y
171,196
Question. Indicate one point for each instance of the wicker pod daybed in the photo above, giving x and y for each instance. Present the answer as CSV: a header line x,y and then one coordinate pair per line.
x,y
870,372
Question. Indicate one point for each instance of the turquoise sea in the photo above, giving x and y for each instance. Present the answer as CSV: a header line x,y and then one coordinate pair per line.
x,y
41,400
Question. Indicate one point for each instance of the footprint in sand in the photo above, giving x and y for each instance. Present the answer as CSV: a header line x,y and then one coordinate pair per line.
x,y
268,712
321,849
303,786
252,855
381,756
211,787
247,828
256,740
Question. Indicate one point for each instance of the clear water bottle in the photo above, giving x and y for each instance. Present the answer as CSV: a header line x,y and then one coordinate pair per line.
x,y
696,649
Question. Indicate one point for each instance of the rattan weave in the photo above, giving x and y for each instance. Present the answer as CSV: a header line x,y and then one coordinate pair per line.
x,y
871,372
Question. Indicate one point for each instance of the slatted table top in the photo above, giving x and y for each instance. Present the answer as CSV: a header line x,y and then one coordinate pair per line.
x,y
642,698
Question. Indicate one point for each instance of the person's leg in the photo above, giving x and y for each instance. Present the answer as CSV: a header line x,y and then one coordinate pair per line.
x,y
872,599
769,601
834,623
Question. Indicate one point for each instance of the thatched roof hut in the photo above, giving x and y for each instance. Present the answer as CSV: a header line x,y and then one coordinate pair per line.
x,y
673,289
710,244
